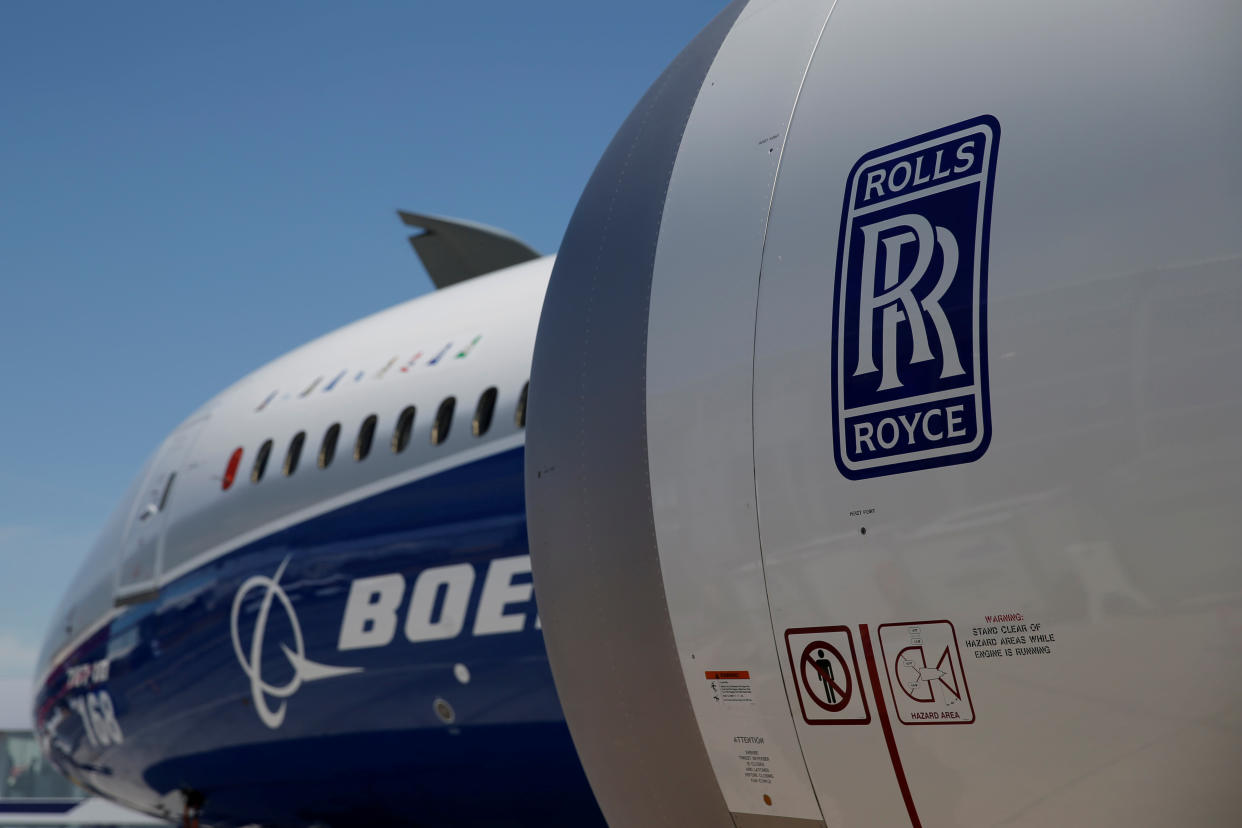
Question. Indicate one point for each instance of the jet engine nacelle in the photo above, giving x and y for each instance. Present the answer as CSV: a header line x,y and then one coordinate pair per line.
x,y
883,462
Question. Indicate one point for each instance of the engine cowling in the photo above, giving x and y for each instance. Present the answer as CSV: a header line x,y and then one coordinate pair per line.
x,y
882,462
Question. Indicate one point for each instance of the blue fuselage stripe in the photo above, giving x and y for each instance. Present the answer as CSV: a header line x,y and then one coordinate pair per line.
x,y
371,738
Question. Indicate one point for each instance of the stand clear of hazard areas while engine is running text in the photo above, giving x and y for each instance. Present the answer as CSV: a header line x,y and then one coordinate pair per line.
x,y
825,673
924,667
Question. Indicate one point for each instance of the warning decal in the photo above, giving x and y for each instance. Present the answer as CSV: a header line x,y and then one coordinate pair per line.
x,y
730,686
925,675
826,677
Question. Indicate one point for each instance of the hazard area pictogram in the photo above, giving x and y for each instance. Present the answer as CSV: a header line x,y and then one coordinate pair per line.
x,y
925,673
824,667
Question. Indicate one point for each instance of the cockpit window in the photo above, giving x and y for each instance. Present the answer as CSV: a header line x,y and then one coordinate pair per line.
x,y
444,420
167,491
401,434
483,413
295,452
327,449
362,446
260,462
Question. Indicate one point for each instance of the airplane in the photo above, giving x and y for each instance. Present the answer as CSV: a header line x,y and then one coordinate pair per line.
x,y
378,470
884,336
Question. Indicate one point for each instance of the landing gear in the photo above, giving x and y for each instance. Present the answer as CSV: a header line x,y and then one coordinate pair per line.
x,y
193,806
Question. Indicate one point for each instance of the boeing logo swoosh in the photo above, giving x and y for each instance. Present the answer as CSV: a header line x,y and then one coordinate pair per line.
x,y
304,669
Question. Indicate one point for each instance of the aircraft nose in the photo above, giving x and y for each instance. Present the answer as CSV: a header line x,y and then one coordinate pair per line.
x,y
72,710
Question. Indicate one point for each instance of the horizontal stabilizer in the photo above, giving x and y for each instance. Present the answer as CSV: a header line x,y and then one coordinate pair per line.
x,y
454,250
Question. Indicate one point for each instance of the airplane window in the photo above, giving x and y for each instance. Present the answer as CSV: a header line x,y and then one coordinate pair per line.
x,y
295,451
365,435
519,416
230,471
327,449
401,434
260,462
167,491
444,419
483,413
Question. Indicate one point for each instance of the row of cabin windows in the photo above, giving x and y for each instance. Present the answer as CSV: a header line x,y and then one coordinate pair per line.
x,y
483,414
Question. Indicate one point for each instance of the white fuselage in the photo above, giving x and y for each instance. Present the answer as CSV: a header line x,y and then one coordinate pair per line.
x,y
455,343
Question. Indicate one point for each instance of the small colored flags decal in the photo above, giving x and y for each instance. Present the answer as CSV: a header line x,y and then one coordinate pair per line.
x,y
465,352
332,384
407,367
435,359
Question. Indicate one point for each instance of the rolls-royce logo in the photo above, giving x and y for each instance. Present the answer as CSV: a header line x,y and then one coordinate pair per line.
x,y
910,379
251,660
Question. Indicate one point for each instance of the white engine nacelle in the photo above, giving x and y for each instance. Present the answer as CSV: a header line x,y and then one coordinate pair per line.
x,y
883,463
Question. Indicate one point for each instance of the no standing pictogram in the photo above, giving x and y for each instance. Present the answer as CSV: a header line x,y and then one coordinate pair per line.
x,y
824,668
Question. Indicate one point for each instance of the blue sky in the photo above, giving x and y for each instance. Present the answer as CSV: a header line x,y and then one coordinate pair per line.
x,y
189,190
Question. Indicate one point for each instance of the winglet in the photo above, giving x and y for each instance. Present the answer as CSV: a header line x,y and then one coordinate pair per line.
x,y
454,250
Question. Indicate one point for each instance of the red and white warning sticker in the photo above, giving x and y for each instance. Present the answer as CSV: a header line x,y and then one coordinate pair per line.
x,y
826,676
730,686
925,673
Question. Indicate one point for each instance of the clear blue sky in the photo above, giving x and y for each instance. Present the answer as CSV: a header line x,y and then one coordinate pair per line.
x,y
189,190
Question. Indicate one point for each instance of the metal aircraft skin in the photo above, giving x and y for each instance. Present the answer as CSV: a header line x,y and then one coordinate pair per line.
x,y
297,634
881,467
